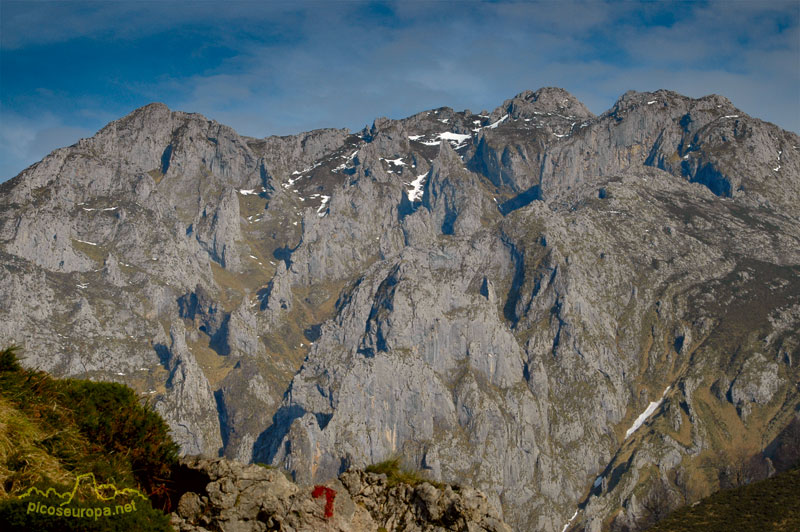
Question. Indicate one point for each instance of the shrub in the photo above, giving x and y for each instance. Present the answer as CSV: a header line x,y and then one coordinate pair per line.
x,y
8,359
110,415
85,426
396,474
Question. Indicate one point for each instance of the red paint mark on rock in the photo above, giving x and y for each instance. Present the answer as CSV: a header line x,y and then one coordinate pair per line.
x,y
330,495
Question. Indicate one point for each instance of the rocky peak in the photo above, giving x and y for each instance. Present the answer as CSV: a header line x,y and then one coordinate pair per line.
x,y
529,104
150,126
150,111
666,99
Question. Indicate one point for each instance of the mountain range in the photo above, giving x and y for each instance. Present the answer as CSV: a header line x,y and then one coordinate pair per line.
x,y
588,318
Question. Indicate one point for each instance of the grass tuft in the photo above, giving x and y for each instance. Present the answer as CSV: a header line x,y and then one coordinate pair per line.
x,y
396,474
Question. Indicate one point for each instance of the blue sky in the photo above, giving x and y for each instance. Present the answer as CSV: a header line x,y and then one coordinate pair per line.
x,y
274,68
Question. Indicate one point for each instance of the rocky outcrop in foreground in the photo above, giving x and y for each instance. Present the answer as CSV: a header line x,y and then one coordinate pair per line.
x,y
234,497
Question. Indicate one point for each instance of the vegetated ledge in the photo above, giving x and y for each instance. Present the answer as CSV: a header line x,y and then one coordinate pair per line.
x,y
770,504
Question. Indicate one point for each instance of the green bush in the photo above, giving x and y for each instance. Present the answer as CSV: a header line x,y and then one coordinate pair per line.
x,y
8,359
97,427
110,415
396,474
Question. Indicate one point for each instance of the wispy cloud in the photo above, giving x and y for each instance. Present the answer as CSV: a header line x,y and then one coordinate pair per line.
x,y
269,68
25,139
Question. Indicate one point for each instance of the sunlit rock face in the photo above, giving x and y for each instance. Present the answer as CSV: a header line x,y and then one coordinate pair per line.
x,y
565,311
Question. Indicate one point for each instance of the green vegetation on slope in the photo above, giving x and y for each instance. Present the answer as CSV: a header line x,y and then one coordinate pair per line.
x,y
396,474
53,431
770,504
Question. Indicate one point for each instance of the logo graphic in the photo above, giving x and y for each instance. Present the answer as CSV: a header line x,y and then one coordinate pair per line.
x,y
102,492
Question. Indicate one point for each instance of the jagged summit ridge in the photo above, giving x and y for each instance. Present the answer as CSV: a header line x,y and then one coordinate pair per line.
x,y
481,293
529,103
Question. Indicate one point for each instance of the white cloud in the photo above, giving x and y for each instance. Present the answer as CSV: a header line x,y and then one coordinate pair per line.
x,y
25,140
341,65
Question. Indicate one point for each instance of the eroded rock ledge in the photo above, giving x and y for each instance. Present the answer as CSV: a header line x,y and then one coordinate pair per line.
x,y
230,496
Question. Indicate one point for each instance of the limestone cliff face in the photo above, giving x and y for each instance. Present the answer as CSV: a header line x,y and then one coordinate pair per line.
x,y
500,298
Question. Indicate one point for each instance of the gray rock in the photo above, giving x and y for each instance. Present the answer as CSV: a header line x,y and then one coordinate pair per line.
x,y
251,498
188,404
495,297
